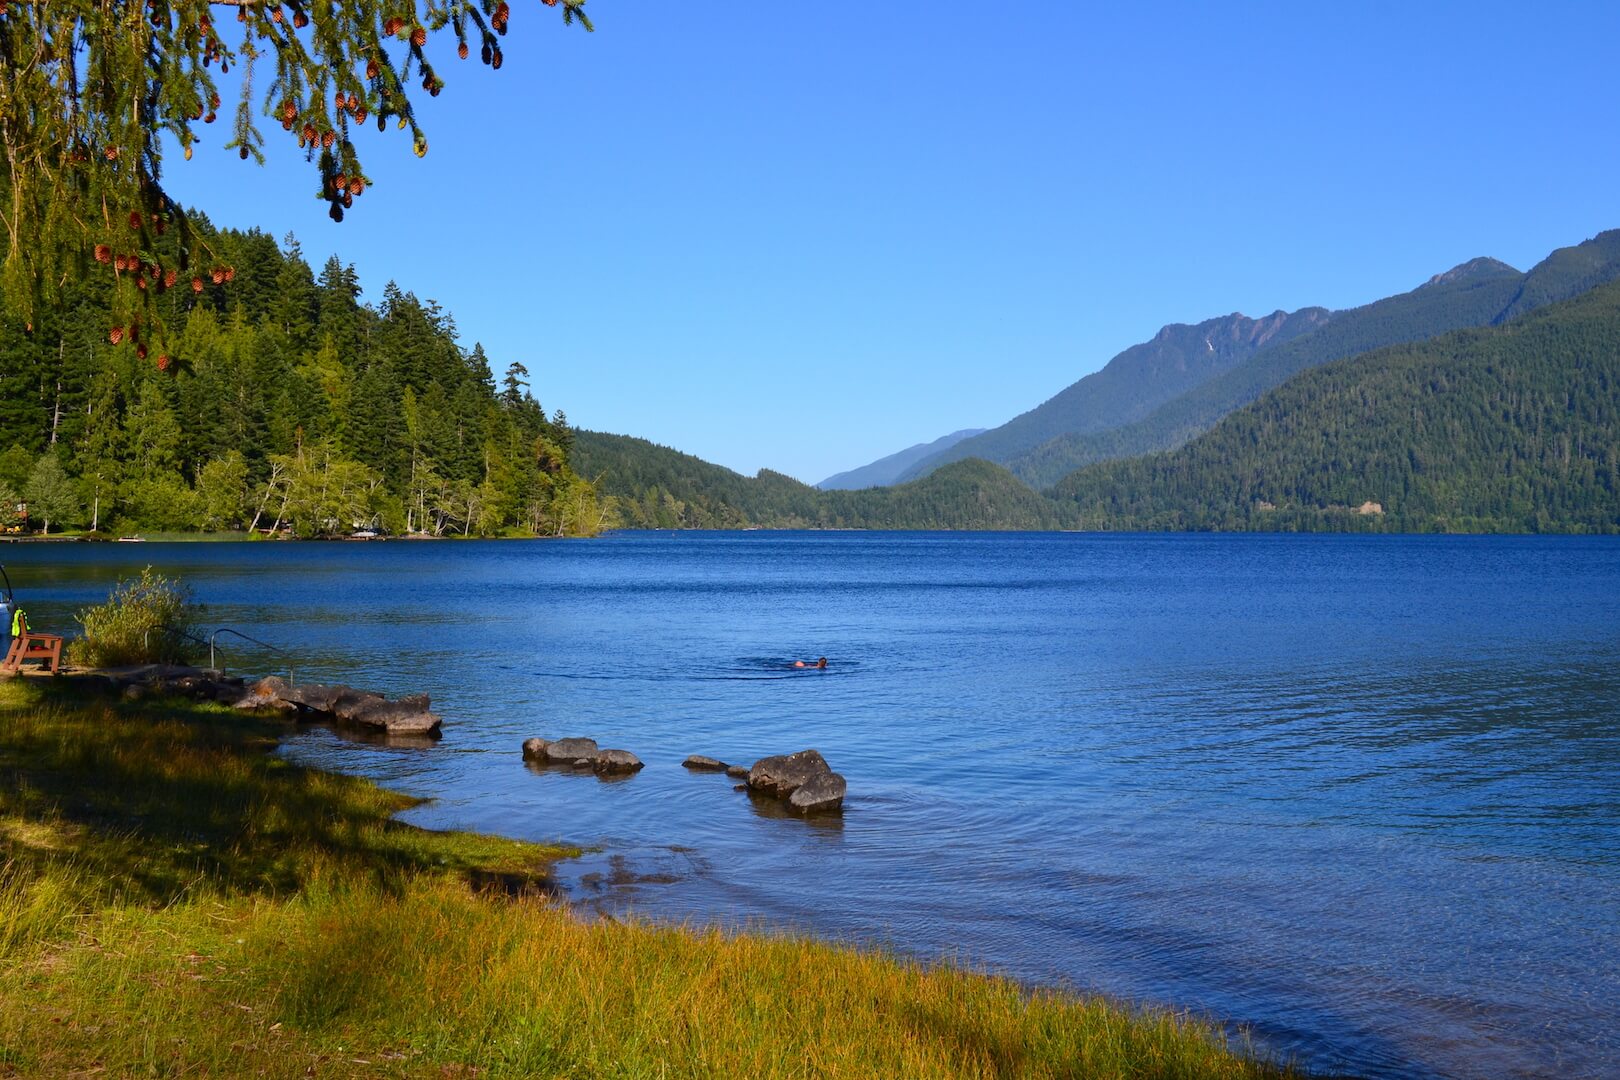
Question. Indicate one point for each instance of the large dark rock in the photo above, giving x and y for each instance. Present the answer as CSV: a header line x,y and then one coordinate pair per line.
x,y
704,764
819,794
408,715
568,751
617,761
784,774
393,717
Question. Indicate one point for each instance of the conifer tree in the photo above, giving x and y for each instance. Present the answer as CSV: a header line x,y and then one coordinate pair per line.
x,y
91,91
50,493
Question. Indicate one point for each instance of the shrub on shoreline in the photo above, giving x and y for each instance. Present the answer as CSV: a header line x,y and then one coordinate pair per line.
x,y
150,620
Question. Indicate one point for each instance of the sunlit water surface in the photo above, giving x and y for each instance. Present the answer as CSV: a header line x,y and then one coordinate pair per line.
x,y
1359,794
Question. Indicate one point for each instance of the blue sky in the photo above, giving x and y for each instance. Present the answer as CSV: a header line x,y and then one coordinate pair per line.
x,y
803,237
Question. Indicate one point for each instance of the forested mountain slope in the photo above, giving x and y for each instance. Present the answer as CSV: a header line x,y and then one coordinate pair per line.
x,y
655,487
1513,428
285,402
1479,293
888,470
1178,358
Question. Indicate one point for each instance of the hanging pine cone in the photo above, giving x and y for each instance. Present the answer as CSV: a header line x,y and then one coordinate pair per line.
x,y
230,273
196,284
419,37
356,186
275,15
140,282
461,50
340,100
495,61
169,278
115,335
300,20
121,263
140,352
360,115
327,139
289,110
218,275
103,253
209,119
163,362
372,69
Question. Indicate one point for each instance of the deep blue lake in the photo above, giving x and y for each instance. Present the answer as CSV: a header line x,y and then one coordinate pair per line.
x,y
1361,794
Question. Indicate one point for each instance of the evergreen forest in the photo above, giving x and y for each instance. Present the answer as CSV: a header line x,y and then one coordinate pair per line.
x,y
287,407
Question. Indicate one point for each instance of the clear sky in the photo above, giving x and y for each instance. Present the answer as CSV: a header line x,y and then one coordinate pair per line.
x,y
804,237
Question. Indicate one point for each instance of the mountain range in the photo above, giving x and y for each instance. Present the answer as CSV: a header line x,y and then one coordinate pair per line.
x,y
1482,400
888,470
1142,401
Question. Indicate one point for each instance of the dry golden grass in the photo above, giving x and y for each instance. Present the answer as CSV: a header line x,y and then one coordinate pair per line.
x,y
177,901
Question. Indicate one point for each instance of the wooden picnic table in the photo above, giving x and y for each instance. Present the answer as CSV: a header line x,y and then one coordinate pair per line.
x,y
33,648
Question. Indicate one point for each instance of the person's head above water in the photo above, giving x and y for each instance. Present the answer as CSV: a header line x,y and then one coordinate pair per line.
x,y
822,662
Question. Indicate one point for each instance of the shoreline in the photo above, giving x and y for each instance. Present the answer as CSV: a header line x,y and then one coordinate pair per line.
x,y
489,895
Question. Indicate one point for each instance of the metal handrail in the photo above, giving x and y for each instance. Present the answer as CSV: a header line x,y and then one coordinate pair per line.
x,y
212,638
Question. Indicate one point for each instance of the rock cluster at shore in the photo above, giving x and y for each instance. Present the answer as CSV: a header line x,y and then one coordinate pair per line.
x,y
580,754
803,780
409,715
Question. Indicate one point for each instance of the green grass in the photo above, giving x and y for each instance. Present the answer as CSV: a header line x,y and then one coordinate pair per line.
x,y
176,900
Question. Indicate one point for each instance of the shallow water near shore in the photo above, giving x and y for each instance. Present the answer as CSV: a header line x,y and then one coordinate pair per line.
x,y
1359,793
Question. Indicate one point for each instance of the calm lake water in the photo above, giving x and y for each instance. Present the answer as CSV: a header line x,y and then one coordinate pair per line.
x,y
1361,794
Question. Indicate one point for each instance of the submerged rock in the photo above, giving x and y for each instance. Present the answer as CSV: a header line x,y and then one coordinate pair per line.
x,y
819,794
617,761
737,772
704,764
784,774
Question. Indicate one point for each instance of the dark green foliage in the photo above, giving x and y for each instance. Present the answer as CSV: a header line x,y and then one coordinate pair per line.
x,y
1478,293
336,415
1508,429
655,487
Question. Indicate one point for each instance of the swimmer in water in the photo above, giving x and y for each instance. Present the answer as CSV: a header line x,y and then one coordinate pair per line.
x,y
821,663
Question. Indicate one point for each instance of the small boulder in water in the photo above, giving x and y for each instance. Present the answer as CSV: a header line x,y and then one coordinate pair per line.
x,y
784,774
534,749
617,761
819,794
704,764
568,750
737,772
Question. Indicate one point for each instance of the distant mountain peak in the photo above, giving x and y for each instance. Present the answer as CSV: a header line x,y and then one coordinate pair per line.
x,y
1474,268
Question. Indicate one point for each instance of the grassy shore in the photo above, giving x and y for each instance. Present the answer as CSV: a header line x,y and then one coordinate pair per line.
x,y
177,900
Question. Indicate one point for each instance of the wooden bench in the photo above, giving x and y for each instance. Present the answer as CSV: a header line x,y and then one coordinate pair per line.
x,y
32,647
